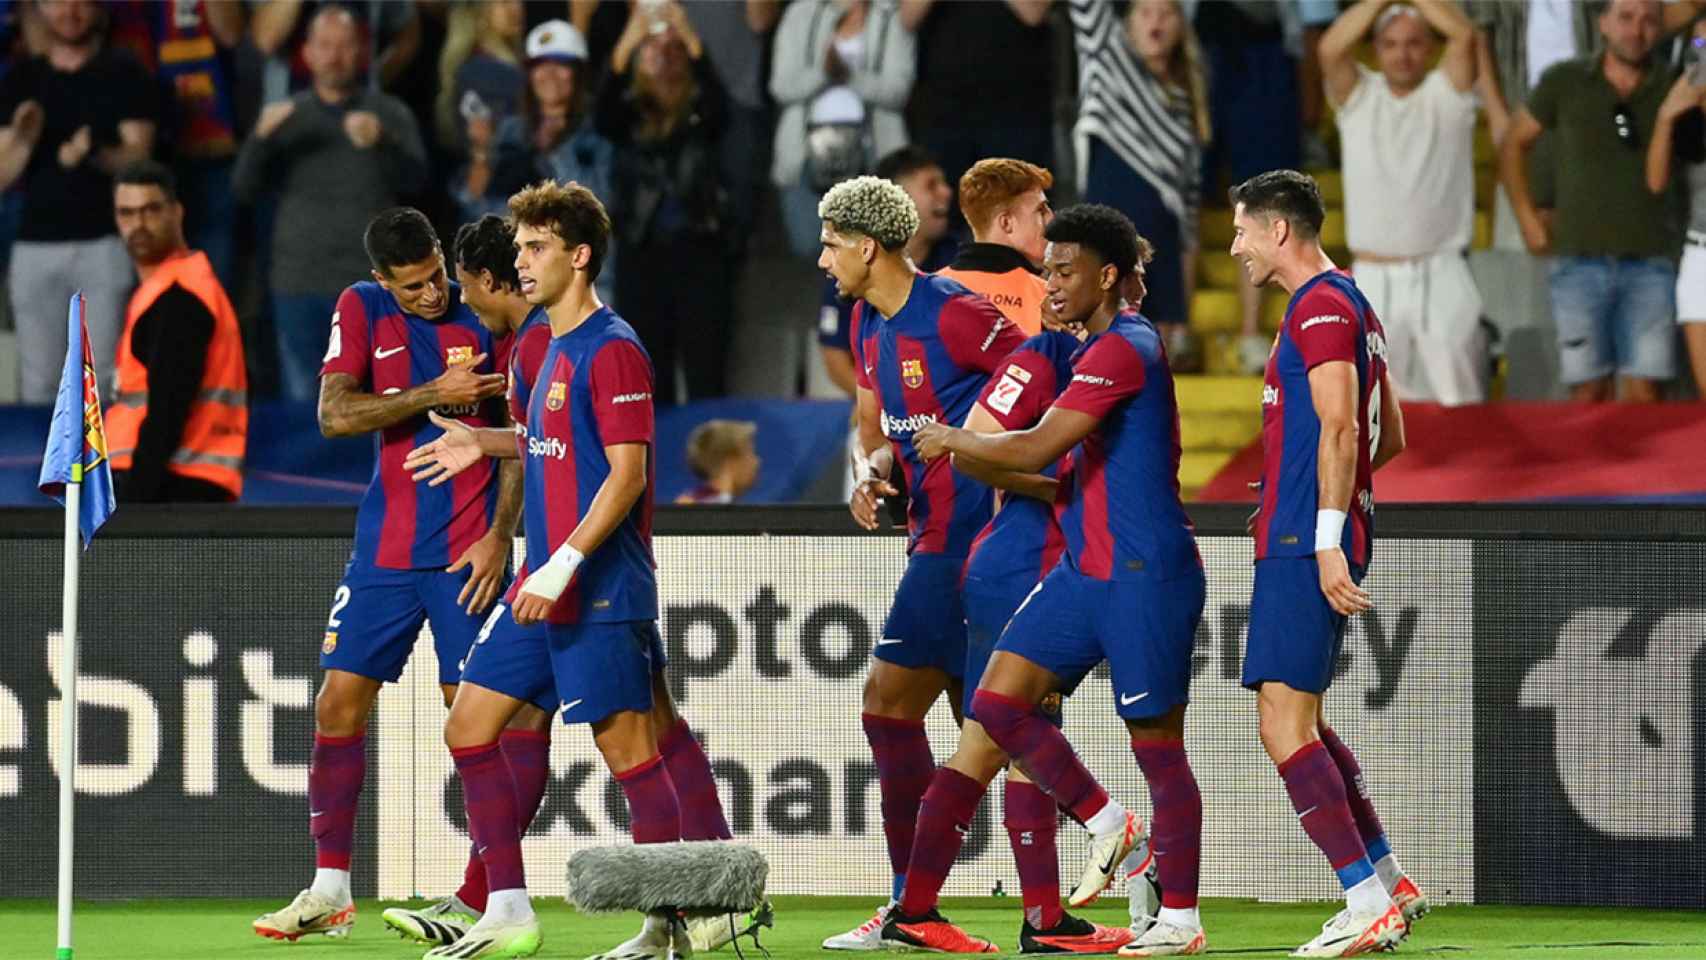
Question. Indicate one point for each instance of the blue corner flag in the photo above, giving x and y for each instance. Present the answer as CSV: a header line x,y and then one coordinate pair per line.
x,y
77,440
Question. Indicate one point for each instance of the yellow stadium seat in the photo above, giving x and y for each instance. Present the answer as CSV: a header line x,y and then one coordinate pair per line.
x,y
1485,153
1218,394
1332,187
1215,228
1273,308
1214,311
1333,230
1218,429
1217,270
1485,179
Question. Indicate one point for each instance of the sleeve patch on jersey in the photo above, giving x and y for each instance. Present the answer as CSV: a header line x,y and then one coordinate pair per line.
x,y
1092,379
1006,391
1324,318
335,347
994,332
1019,373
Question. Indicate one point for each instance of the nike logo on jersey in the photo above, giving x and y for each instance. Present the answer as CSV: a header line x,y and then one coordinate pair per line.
x,y
885,642
315,813
573,704
380,353
1126,701
1308,812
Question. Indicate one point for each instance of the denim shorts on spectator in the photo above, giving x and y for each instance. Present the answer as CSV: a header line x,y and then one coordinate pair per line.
x,y
1614,315
1691,280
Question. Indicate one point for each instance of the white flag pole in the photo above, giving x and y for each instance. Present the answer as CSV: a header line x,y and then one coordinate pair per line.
x,y
68,728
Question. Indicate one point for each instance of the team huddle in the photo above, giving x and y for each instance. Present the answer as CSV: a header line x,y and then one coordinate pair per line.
x,y
1046,535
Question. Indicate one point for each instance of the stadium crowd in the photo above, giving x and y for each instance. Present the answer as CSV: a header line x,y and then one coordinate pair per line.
x,y
711,129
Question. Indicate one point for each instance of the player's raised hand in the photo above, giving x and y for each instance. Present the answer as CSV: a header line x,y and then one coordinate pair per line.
x,y
931,440
867,499
438,461
486,576
460,385
1342,593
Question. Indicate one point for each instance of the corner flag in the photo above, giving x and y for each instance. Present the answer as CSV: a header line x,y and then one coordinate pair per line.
x,y
76,441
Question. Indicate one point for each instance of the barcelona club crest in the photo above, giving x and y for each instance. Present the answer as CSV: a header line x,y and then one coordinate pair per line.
x,y
330,643
912,373
554,399
458,356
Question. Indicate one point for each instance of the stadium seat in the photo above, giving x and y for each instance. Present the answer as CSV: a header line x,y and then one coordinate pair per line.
x,y
1217,269
1332,187
1214,311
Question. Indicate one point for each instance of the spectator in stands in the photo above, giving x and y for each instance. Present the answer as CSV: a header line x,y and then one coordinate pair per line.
x,y
983,87
552,137
188,48
840,71
734,35
930,249
1005,205
722,456
388,40
1680,137
1253,50
1406,138
1613,277
1143,122
663,108
333,155
75,115
178,425
479,71
1522,40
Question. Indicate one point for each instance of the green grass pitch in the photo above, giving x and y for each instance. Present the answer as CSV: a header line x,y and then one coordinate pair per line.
x,y
174,929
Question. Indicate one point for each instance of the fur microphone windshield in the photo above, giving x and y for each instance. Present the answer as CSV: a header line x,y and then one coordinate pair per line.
x,y
878,208
713,876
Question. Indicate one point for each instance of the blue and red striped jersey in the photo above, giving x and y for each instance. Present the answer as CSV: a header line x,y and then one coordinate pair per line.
x,y
1327,319
402,524
1122,516
524,350
1024,538
928,363
593,390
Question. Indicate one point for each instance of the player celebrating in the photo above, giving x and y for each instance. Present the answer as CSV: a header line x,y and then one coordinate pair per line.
x,y
923,349
401,345
1329,419
485,275
588,482
1019,545
1130,588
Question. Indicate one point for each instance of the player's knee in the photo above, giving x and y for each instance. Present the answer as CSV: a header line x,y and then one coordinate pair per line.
x,y
338,715
1000,716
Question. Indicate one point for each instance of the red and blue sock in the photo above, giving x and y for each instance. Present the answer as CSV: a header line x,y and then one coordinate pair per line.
x,y
1039,746
944,816
1317,793
1175,832
695,785
654,811
905,767
493,823
336,771
1032,826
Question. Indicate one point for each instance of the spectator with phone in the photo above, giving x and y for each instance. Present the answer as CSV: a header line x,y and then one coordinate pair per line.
x,y
479,69
1679,137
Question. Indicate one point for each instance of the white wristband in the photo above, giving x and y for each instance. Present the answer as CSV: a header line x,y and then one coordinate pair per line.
x,y
1329,529
550,580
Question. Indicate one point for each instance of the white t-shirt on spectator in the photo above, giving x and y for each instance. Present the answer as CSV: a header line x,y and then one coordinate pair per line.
x,y
1551,35
1409,166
